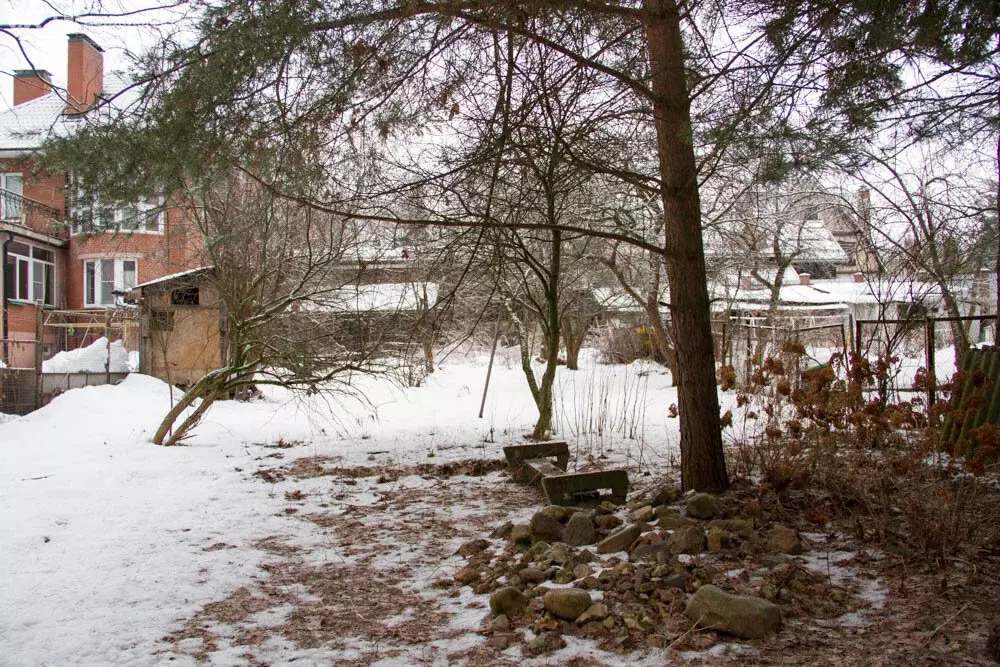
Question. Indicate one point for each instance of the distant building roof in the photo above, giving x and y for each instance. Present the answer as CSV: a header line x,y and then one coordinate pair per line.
x,y
377,297
803,240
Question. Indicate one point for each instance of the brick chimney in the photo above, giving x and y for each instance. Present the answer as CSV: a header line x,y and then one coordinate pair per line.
x,y
804,278
30,83
84,73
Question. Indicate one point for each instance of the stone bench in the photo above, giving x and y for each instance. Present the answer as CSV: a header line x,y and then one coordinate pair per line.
x,y
546,462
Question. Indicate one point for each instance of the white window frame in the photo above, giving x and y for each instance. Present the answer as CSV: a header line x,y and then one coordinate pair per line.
x,y
93,280
35,267
96,215
10,211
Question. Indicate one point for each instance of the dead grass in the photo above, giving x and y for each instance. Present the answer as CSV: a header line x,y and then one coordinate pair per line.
x,y
375,600
384,594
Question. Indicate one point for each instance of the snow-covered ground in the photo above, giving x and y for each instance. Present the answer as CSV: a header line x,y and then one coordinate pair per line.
x,y
110,543
93,358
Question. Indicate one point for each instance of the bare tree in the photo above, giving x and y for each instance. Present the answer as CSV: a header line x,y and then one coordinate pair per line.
x,y
936,223
278,270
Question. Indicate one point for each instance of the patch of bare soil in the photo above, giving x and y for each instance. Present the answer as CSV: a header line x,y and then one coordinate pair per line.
x,y
373,599
384,593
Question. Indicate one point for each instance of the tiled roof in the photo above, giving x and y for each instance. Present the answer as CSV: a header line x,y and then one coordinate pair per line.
x,y
806,240
27,125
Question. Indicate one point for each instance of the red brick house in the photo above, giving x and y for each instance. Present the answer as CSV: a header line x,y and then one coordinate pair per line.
x,y
53,252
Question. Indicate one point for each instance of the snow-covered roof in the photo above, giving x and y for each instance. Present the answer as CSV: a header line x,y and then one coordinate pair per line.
x,y
174,276
804,240
378,297
26,126
829,293
616,299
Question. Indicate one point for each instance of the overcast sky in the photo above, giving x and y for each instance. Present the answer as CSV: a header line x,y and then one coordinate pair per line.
x,y
46,47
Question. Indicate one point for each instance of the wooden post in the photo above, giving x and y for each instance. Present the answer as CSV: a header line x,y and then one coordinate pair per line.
x,y
929,357
39,357
107,337
489,368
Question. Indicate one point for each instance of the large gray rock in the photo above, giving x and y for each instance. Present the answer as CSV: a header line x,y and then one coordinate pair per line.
x,y
667,494
643,514
739,527
689,540
546,642
558,553
545,528
580,530
676,580
703,506
619,541
532,575
567,603
783,539
740,615
502,531
508,601
521,533
595,612
607,521
557,512
653,553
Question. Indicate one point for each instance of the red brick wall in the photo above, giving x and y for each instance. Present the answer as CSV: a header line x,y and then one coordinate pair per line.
x,y
29,86
47,189
84,73
177,249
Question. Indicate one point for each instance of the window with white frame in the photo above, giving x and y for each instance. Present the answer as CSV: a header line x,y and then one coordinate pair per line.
x,y
103,277
95,216
13,191
30,273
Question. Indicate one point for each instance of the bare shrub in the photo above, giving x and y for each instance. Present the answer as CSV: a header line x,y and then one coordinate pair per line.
x,y
625,344
831,444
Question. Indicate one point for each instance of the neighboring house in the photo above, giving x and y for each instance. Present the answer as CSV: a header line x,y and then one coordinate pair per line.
x,y
54,252
184,324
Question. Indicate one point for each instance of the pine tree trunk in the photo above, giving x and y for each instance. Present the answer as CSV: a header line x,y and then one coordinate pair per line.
x,y
703,464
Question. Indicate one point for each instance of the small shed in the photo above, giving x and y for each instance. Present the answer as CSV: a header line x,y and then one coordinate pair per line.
x,y
181,327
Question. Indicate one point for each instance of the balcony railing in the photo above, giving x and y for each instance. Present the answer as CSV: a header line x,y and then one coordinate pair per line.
x,y
20,210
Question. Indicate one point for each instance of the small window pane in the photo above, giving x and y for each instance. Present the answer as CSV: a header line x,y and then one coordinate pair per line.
x,y
50,294
107,282
9,273
152,221
105,218
44,255
14,185
128,274
130,217
22,279
37,281
89,282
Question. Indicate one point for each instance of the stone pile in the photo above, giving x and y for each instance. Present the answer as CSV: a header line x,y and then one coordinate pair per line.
x,y
640,575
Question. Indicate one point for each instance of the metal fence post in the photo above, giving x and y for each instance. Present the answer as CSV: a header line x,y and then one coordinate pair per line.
x,y
39,357
929,327
107,336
